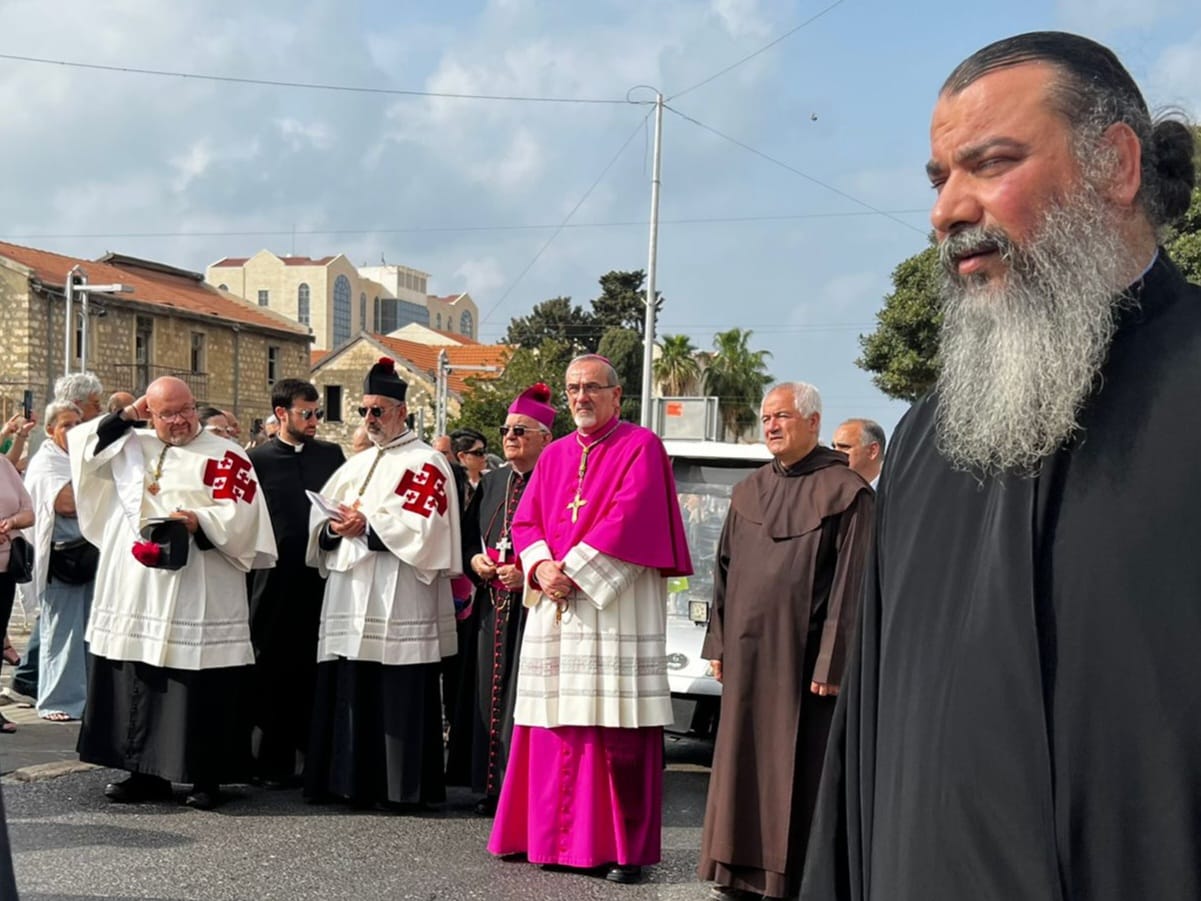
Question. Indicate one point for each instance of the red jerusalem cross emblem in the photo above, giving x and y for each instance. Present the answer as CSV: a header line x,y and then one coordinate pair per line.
x,y
230,478
424,492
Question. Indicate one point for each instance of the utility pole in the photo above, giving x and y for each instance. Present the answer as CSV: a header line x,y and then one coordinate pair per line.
x,y
442,389
77,282
648,350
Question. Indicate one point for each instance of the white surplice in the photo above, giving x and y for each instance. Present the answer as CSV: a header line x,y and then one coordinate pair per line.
x,y
192,618
395,606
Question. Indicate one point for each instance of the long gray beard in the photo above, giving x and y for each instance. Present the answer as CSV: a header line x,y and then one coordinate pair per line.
x,y
1021,355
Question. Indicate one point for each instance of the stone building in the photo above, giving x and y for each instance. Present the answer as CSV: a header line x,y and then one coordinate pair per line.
x,y
228,350
339,301
339,374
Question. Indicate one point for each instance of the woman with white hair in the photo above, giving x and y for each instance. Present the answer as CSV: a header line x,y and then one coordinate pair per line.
x,y
64,571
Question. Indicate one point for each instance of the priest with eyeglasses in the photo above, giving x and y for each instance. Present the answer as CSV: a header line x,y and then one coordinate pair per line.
x,y
285,602
598,532
385,533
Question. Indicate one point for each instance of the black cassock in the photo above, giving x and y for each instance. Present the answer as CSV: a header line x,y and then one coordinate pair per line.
x,y
285,606
483,726
1023,716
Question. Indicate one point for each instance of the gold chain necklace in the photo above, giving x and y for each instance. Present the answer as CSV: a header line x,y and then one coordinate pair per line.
x,y
578,501
158,471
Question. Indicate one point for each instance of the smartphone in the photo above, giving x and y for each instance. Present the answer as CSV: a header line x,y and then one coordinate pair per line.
x,y
27,403
256,427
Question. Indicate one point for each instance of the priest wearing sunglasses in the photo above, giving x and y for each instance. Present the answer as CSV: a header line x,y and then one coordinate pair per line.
x,y
285,602
482,729
386,531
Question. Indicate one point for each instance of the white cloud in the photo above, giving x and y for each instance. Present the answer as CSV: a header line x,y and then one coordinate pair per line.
x,y
300,135
482,277
1175,78
740,18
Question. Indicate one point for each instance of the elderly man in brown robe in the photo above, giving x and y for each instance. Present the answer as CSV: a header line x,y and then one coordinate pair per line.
x,y
786,594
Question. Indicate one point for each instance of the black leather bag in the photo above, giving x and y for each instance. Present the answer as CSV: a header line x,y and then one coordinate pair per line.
x,y
73,562
20,559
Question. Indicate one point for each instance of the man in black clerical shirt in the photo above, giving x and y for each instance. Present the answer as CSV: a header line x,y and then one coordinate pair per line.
x,y
1020,719
285,602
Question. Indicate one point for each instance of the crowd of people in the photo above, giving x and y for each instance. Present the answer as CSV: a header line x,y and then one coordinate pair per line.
x,y
960,670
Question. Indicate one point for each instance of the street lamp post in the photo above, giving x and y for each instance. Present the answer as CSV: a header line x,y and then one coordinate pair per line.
x,y
77,282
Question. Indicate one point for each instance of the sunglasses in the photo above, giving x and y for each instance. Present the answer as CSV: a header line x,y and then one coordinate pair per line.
x,y
516,430
474,453
377,412
306,415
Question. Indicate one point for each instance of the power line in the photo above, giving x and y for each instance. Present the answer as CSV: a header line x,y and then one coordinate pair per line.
x,y
762,49
794,170
418,229
309,86
566,219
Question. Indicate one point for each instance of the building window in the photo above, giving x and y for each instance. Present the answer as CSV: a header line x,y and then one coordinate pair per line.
x,y
363,311
333,403
465,324
341,310
142,350
302,304
264,297
421,285
223,287
439,325
197,351
272,364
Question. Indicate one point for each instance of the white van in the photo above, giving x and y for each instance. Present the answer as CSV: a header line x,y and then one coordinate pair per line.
x,y
706,473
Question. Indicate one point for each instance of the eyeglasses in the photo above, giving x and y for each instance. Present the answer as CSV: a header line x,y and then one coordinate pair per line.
x,y
478,452
178,416
377,412
587,388
306,415
517,430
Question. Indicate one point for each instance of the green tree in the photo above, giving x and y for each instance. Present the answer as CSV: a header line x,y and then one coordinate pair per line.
x,y
624,349
622,302
677,371
558,320
487,404
902,353
1183,240
737,377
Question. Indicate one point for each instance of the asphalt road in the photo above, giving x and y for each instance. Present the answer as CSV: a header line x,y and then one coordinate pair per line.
x,y
69,843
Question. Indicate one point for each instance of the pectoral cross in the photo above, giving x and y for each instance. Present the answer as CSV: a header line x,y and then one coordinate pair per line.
x,y
575,505
502,546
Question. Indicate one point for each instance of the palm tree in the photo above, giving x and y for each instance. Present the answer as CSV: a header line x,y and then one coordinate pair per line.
x,y
736,376
676,371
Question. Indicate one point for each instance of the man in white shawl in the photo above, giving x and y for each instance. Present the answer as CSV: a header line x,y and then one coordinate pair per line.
x,y
62,585
387,537
170,646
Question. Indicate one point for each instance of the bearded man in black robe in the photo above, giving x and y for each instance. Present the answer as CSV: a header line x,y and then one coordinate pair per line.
x,y
285,602
480,738
1021,717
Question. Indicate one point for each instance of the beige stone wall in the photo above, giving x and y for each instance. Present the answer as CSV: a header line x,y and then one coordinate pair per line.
x,y
349,370
234,374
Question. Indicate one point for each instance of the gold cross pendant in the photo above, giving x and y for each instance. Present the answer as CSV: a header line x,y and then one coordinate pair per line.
x,y
574,507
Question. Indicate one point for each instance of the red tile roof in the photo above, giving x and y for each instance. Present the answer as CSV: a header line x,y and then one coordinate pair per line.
x,y
155,284
316,356
230,262
425,357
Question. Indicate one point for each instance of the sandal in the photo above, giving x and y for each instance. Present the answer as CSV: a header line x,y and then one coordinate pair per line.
x,y
58,716
7,725
10,653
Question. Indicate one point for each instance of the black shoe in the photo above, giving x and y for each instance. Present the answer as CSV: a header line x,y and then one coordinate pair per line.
x,y
729,893
204,797
486,807
137,788
626,875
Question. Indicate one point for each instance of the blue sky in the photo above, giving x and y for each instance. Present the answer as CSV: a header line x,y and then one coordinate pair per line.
x,y
189,171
